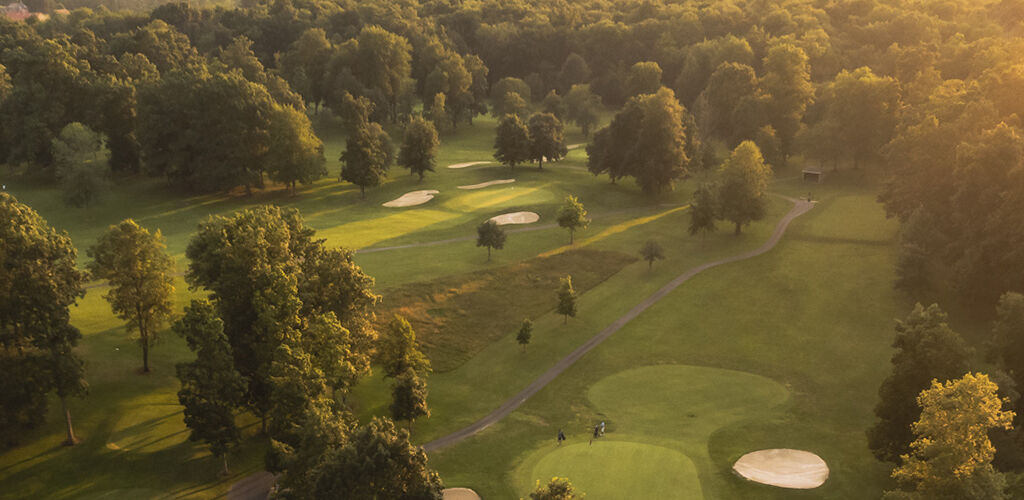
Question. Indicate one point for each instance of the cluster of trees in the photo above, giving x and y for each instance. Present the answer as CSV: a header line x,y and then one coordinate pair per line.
x,y
945,427
541,138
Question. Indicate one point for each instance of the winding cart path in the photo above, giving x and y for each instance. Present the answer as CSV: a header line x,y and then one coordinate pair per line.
x,y
256,486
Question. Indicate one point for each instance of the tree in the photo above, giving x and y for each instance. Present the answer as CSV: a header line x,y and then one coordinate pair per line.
x,y
438,112
581,107
743,191
82,164
398,351
368,151
660,146
566,299
384,62
134,263
574,72
559,488
651,251
787,84
500,92
489,234
553,104
419,147
926,349
511,141
211,389
377,462
547,139
864,106
703,210
409,397
295,153
36,340
572,216
525,333
1008,339
728,85
305,64
951,457
269,278
512,103
644,78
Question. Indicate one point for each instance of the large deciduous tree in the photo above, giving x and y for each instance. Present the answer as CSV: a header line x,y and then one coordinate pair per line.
x,y
139,272
39,282
547,138
703,210
419,147
743,189
581,107
651,251
398,350
368,151
377,462
926,349
211,389
646,140
787,85
82,160
409,397
951,456
511,141
384,63
269,279
864,106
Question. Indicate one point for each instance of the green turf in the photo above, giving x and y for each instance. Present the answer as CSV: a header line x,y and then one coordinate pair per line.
x,y
815,314
611,470
677,407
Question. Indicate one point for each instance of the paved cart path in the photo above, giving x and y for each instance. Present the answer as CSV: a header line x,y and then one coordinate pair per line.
x,y
256,486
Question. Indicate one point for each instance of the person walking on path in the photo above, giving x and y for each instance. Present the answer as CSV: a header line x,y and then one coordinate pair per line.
x,y
561,437
597,428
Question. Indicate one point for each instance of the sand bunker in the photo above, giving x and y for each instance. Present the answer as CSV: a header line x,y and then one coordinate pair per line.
x,y
784,468
468,164
459,494
516,218
412,199
487,184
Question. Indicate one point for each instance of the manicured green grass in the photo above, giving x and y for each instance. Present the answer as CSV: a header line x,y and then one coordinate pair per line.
x,y
813,315
618,469
677,407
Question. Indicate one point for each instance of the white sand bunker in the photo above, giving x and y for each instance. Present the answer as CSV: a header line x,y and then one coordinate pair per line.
x,y
487,184
468,164
412,199
459,494
784,468
516,218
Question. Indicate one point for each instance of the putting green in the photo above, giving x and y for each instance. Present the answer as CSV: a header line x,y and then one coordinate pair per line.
x,y
682,402
676,406
620,469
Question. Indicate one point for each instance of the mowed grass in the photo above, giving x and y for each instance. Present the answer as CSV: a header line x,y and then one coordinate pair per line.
x,y
814,315
619,469
676,407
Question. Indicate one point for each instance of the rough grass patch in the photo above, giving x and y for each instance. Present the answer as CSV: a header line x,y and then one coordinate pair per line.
x,y
455,317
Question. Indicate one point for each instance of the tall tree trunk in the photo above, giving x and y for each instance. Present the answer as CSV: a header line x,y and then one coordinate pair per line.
x,y
71,440
225,457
